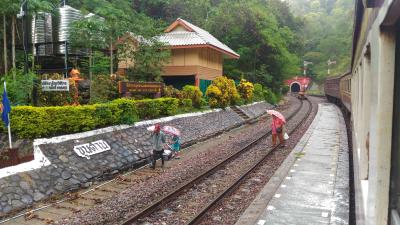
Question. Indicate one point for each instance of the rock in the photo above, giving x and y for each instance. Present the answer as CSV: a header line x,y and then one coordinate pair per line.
x,y
16,203
74,181
217,218
50,192
15,178
59,187
88,176
167,212
7,209
238,197
63,158
55,174
24,185
38,196
87,184
34,175
66,175
26,199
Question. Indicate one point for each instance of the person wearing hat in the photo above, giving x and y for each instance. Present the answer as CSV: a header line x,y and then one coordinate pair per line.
x,y
158,138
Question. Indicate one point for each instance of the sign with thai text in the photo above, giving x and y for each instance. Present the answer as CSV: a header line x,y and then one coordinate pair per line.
x,y
92,148
55,85
140,88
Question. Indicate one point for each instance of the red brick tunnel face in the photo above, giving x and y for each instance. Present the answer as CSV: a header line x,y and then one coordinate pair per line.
x,y
294,87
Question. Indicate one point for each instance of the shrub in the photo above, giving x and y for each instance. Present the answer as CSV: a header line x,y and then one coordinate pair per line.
x,y
246,90
19,90
129,112
56,98
193,93
153,108
285,89
270,96
171,92
258,94
187,103
34,122
222,92
104,89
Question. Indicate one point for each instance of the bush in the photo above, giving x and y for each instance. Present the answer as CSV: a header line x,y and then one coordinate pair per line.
x,y
246,90
193,93
187,103
258,93
56,98
35,122
285,89
171,92
153,108
270,96
222,93
19,90
104,89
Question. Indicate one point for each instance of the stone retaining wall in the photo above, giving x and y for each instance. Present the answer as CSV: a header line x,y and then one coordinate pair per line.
x,y
256,109
130,147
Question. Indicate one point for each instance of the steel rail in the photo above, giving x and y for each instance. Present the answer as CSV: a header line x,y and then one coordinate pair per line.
x,y
199,216
171,195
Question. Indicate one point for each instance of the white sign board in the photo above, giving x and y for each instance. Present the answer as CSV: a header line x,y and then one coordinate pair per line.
x,y
55,85
92,148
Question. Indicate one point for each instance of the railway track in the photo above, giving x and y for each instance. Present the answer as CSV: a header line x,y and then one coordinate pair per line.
x,y
65,205
174,199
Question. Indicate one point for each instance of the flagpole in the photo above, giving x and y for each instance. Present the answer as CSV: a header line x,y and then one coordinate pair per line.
x,y
9,122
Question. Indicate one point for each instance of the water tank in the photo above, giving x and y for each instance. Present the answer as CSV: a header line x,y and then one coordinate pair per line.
x,y
68,15
42,31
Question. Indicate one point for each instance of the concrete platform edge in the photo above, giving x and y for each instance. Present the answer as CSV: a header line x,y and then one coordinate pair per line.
x,y
256,208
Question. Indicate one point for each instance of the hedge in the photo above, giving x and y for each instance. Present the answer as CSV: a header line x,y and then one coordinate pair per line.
x,y
35,122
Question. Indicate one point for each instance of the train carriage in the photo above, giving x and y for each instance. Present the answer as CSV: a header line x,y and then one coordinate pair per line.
x,y
371,95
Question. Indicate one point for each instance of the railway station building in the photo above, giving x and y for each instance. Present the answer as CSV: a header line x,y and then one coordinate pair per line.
x,y
197,57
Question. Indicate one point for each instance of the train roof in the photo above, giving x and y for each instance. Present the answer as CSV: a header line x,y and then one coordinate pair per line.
x,y
338,76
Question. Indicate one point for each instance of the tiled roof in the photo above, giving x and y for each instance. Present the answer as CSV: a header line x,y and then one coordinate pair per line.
x,y
177,38
196,36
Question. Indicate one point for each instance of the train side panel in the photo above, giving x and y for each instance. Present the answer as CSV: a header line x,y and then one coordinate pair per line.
x,y
331,89
345,91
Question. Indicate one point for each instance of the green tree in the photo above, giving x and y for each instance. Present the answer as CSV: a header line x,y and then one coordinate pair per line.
x,y
89,33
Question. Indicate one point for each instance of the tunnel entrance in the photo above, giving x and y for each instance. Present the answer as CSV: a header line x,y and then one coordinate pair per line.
x,y
295,87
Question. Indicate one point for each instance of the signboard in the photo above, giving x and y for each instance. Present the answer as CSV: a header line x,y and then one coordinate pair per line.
x,y
55,85
140,88
91,148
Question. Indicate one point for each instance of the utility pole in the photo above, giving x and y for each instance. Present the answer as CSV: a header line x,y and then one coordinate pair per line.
x,y
23,13
329,62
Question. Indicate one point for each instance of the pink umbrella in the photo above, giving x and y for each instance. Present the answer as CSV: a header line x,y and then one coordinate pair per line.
x,y
277,114
151,128
171,130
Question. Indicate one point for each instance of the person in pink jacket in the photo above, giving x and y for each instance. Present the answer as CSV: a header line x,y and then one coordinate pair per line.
x,y
277,130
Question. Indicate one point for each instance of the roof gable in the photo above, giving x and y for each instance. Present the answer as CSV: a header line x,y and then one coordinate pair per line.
x,y
183,33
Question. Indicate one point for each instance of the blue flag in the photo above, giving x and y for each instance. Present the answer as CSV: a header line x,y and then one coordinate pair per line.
x,y
6,108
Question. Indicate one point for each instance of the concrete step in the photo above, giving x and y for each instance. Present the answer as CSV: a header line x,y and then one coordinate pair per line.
x,y
238,111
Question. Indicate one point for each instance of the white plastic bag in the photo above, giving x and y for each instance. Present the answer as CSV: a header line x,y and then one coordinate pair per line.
x,y
286,136
167,155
